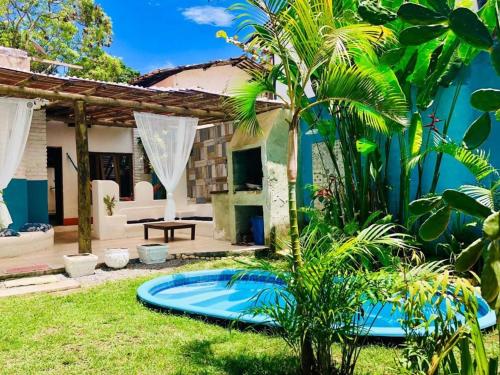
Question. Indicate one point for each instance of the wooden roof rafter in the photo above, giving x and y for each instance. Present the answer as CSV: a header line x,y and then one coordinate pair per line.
x,y
114,104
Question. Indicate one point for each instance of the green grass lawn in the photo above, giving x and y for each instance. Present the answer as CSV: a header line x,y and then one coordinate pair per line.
x,y
104,330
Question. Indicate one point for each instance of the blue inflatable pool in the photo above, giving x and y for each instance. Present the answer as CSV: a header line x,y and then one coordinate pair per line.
x,y
207,293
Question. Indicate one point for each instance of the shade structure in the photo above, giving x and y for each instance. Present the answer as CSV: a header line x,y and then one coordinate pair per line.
x,y
167,141
15,122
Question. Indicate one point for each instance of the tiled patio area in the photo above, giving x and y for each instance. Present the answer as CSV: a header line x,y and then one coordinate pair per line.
x,y
66,243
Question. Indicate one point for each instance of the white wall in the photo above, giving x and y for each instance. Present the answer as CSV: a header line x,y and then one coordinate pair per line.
x,y
101,139
220,79
33,165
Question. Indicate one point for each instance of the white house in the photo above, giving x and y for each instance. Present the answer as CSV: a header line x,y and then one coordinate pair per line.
x,y
45,188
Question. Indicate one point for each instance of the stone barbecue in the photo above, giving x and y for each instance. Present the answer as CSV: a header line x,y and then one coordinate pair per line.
x,y
257,182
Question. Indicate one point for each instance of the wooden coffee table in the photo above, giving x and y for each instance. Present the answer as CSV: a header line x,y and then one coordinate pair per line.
x,y
169,226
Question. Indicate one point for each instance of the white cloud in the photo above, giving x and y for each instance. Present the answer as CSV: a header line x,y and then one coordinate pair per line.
x,y
208,15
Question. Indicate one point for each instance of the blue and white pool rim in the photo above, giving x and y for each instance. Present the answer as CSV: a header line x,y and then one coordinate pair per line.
x,y
207,293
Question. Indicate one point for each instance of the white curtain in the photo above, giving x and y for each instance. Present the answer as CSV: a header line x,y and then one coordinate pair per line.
x,y
168,141
15,122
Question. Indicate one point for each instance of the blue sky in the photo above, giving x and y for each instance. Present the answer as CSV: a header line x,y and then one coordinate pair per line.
x,y
150,34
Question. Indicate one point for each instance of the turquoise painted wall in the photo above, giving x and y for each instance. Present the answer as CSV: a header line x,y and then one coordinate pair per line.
x,y
452,174
479,75
27,201
38,201
16,197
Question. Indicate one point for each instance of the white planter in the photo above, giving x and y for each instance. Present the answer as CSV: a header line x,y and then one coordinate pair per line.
x,y
116,258
80,264
152,253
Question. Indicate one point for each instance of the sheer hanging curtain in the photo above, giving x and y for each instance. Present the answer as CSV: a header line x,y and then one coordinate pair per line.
x,y
168,141
15,122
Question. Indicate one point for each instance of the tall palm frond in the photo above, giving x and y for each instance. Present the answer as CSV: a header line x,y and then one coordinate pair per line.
x,y
477,161
242,104
363,93
357,39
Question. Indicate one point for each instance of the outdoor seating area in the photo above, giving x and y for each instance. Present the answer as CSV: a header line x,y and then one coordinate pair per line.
x,y
128,217
324,202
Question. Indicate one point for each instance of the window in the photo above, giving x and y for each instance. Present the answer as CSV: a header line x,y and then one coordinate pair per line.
x,y
115,167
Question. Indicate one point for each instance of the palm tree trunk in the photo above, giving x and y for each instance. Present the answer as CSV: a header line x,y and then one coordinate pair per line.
x,y
306,352
292,190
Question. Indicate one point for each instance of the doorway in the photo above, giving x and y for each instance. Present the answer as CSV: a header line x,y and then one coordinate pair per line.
x,y
55,185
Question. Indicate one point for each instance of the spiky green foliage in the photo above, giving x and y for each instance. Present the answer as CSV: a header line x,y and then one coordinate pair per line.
x,y
476,161
323,299
440,315
315,45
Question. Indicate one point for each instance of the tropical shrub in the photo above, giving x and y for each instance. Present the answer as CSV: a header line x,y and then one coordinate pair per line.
x,y
440,209
440,320
326,299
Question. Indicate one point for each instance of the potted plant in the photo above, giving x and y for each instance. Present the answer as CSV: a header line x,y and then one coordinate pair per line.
x,y
78,265
110,202
116,257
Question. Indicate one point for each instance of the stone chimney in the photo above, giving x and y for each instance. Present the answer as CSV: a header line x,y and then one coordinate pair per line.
x,y
16,59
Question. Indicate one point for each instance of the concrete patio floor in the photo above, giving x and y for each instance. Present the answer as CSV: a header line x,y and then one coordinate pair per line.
x,y
66,242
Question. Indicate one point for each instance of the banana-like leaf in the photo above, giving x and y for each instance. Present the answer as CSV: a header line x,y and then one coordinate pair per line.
x,y
469,256
490,277
416,35
425,55
436,224
419,15
422,206
374,13
466,204
486,100
491,226
477,132
468,26
415,133
451,72
440,6
393,56
428,92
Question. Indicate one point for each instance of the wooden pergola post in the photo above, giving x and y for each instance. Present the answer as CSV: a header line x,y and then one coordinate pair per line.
x,y
82,157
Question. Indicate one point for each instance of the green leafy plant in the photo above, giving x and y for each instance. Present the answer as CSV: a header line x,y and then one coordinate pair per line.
x,y
313,43
440,320
110,202
324,301
488,245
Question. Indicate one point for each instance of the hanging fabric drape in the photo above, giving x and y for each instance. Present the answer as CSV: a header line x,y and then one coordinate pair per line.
x,y
15,122
168,141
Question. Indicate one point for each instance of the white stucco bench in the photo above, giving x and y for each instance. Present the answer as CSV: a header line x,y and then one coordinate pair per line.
x,y
129,216
27,242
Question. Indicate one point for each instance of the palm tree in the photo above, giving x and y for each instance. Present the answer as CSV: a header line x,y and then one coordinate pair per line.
x,y
314,47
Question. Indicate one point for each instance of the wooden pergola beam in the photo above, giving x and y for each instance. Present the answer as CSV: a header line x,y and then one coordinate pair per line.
x,y
30,92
